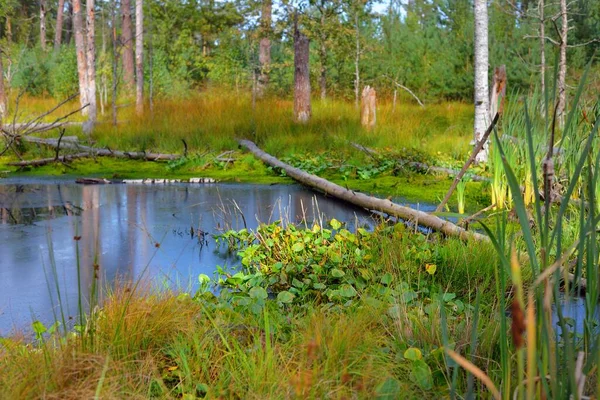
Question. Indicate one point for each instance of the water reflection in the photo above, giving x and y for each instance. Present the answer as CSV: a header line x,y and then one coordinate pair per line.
x,y
128,231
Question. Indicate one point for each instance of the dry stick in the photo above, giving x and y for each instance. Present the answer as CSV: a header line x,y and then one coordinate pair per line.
x,y
466,221
476,151
362,200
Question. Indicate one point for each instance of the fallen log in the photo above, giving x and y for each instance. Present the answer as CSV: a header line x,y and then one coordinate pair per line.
x,y
45,161
106,152
362,200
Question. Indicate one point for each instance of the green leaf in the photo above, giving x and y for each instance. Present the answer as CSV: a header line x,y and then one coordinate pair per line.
x,y
386,279
388,390
39,328
448,296
258,293
347,291
421,374
285,297
413,354
336,273
298,247
335,224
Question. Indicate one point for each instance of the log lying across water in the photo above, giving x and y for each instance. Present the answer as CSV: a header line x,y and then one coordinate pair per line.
x,y
362,200
105,152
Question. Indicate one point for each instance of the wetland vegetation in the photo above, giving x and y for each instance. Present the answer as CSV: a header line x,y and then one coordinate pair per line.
x,y
251,287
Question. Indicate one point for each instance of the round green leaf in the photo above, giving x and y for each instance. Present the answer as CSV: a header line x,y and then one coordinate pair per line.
x,y
298,247
336,273
413,354
285,297
258,293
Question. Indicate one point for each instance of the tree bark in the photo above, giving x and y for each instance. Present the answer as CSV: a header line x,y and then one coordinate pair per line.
x,y
562,64
368,108
498,93
139,56
356,64
3,104
481,77
81,55
127,43
9,34
59,25
302,107
542,54
91,63
68,24
264,55
362,200
323,55
115,60
43,12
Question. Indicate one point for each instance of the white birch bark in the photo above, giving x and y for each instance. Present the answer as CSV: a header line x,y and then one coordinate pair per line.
x,y
562,64
91,63
139,56
482,119
43,11
81,57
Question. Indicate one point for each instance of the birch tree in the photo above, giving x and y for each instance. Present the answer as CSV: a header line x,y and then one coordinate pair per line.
x,y
81,55
43,12
562,64
139,56
264,55
59,24
3,108
91,63
127,42
482,119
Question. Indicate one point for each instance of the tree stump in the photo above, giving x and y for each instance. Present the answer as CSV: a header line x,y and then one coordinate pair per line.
x,y
498,91
368,108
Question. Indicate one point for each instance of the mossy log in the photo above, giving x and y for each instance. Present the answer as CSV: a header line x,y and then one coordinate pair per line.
x,y
105,152
362,200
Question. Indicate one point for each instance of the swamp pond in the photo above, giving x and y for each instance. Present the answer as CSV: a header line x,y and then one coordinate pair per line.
x,y
161,233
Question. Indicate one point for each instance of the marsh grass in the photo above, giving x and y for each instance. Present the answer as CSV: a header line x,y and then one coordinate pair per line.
x,y
213,119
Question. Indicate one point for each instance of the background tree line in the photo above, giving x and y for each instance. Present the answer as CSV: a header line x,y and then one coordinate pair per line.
x,y
424,45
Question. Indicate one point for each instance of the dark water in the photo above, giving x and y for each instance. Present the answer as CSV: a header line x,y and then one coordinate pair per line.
x,y
129,231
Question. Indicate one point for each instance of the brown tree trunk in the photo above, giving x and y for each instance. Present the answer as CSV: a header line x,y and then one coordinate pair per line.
x,y
59,24
81,55
2,92
68,24
139,56
115,60
127,42
91,63
302,108
498,91
264,55
562,65
43,11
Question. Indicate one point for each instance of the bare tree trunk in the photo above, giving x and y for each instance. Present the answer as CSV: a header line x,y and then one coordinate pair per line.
x,y
302,107
368,108
43,11
562,64
139,56
264,55
68,22
127,41
91,63
323,57
498,93
542,53
3,108
394,101
59,25
115,60
81,55
481,76
356,66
